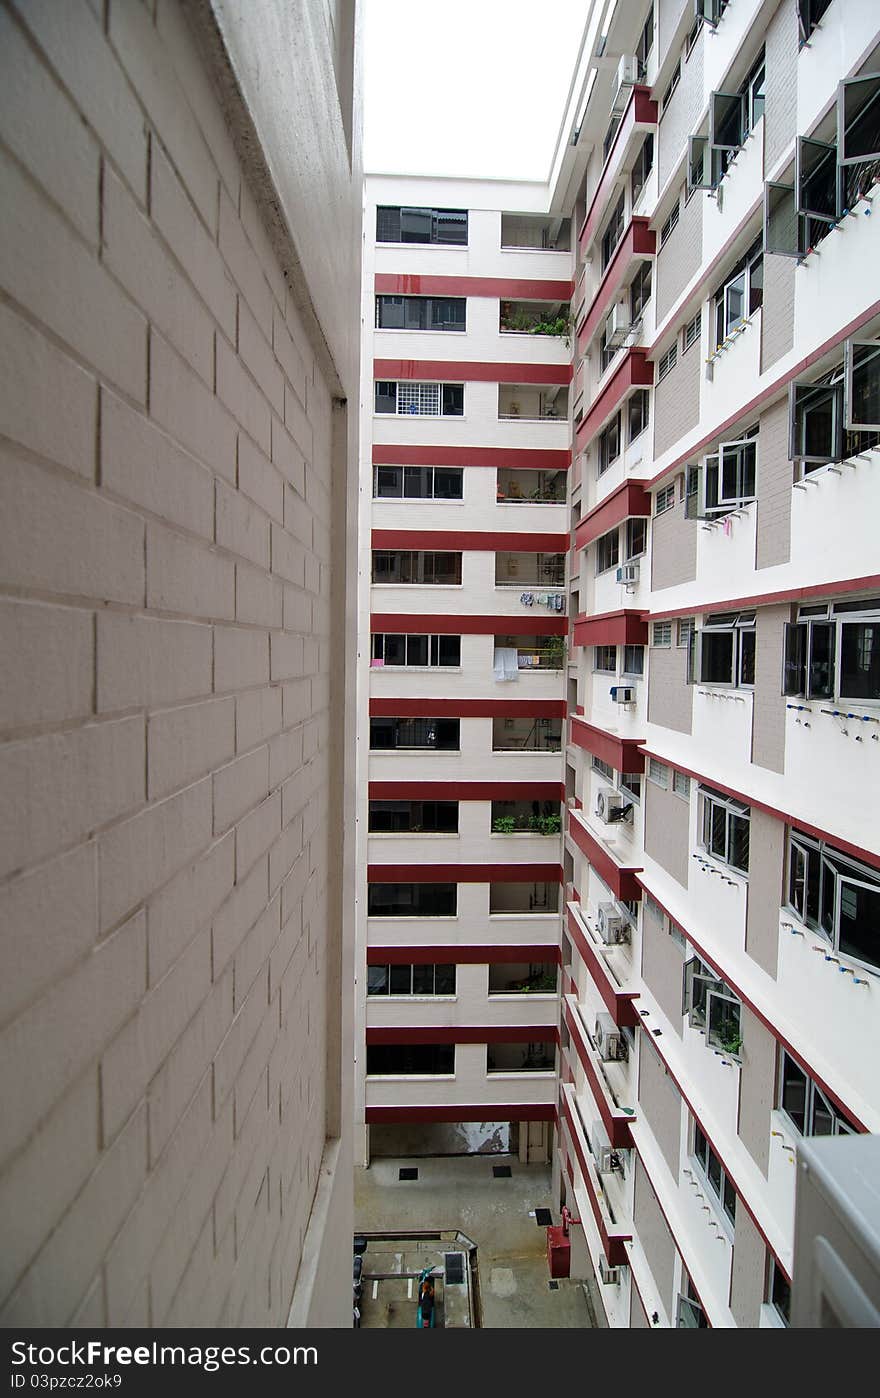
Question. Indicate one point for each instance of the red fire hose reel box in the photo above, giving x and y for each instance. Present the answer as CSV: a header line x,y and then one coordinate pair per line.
x,y
558,1250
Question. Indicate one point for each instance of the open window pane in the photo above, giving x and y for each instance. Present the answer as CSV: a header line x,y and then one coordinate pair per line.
x,y
782,226
816,422
859,921
816,179
726,120
858,119
860,660
793,1098
794,663
821,660
415,225
862,371
716,657
700,163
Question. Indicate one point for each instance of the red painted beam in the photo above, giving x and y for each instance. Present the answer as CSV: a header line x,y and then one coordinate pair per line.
x,y
619,753
470,708
505,288
621,879
619,1003
624,628
516,458
618,1128
464,1034
635,371
436,624
641,112
627,500
469,540
639,240
465,1111
465,873
459,955
467,791
470,371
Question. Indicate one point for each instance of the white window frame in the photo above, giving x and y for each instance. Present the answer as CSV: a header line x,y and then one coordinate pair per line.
x,y
667,362
690,335
845,872
737,449
828,619
658,773
410,385
612,551
738,625
413,635
394,466
733,809
664,499
661,635
715,991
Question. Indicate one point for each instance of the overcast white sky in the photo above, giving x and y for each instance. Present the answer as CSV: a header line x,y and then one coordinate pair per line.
x,y
467,87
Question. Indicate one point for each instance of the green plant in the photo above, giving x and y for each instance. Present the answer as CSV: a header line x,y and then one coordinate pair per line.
x,y
546,825
731,1043
541,984
503,825
555,652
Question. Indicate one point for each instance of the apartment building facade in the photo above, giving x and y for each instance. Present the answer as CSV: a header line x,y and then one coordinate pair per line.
x,y
721,941
463,635
179,341
718,926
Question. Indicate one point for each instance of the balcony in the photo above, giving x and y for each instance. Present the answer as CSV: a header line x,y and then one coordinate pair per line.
x,y
535,1057
607,967
618,877
535,231
532,653
634,371
523,978
640,117
526,817
526,317
526,735
530,487
613,1234
616,1118
529,570
532,403
514,899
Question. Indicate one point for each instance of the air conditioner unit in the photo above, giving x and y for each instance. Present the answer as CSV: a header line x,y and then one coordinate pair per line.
x,y
611,807
627,77
600,1147
628,573
609,924
623,693
618,326
607,1038
608,1276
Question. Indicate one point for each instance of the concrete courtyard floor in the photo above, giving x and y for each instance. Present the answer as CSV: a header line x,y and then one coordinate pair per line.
x,y
460,1192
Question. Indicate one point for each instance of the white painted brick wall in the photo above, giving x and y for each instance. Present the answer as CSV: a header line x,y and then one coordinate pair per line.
x,y
165,550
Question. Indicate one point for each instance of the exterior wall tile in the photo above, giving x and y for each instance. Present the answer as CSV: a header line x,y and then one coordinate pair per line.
x,y
775,475
766,862
670,697
757,1086
660,1104
667,819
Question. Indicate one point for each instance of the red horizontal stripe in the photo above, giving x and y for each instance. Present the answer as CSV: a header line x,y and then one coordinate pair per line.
x,y
464,1034
638,241
465,873
626,627
516,458
868,856
618,1127
460,955
476,371
791,594
470,708
636,371
467,791
506,288
465,1111
613,1246
621,879
627,500
640,111
437,624
619,1003
618,752
469,540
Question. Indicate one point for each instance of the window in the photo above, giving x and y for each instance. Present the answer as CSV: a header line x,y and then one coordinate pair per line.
x,y
412,899
631,784
404,1060
609,444
667,361
422,978
837,896
603,768
421,312
416,567
634,660
441,734
416,651
692,36
420,399
610,133
642,167
690,1314
779,1291
724,826
671,86
640,290
538,1057
837,415
418,482
730,475
712,1007
691,333
715,1174
636,536
681,785
605,659
671,221
607,551
684,629
809,14
664,499
805,1104
645,44
658,773
726,650
710,10
413,817
858,119
613,232
406,225
834,652
740,294
661,633
637,411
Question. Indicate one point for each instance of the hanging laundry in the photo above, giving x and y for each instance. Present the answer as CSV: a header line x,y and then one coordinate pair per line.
x,y
505,663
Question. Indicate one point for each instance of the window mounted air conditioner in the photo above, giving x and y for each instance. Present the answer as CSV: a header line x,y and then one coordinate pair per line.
x,y
619,325
609,924
627,77
611,807
623,693
608,1276
600,1147
628,573
607,1038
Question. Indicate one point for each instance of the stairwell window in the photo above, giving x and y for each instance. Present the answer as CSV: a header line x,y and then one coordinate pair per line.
x,y
671,221
740,294
836,896
437,734
640,291
636,537
410,225
419,399
421,313
605,659
412,899
638,413
667,361
658,773
724,829
805,1104
416,651
691,333
418,482
664,499
420,978
661,634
